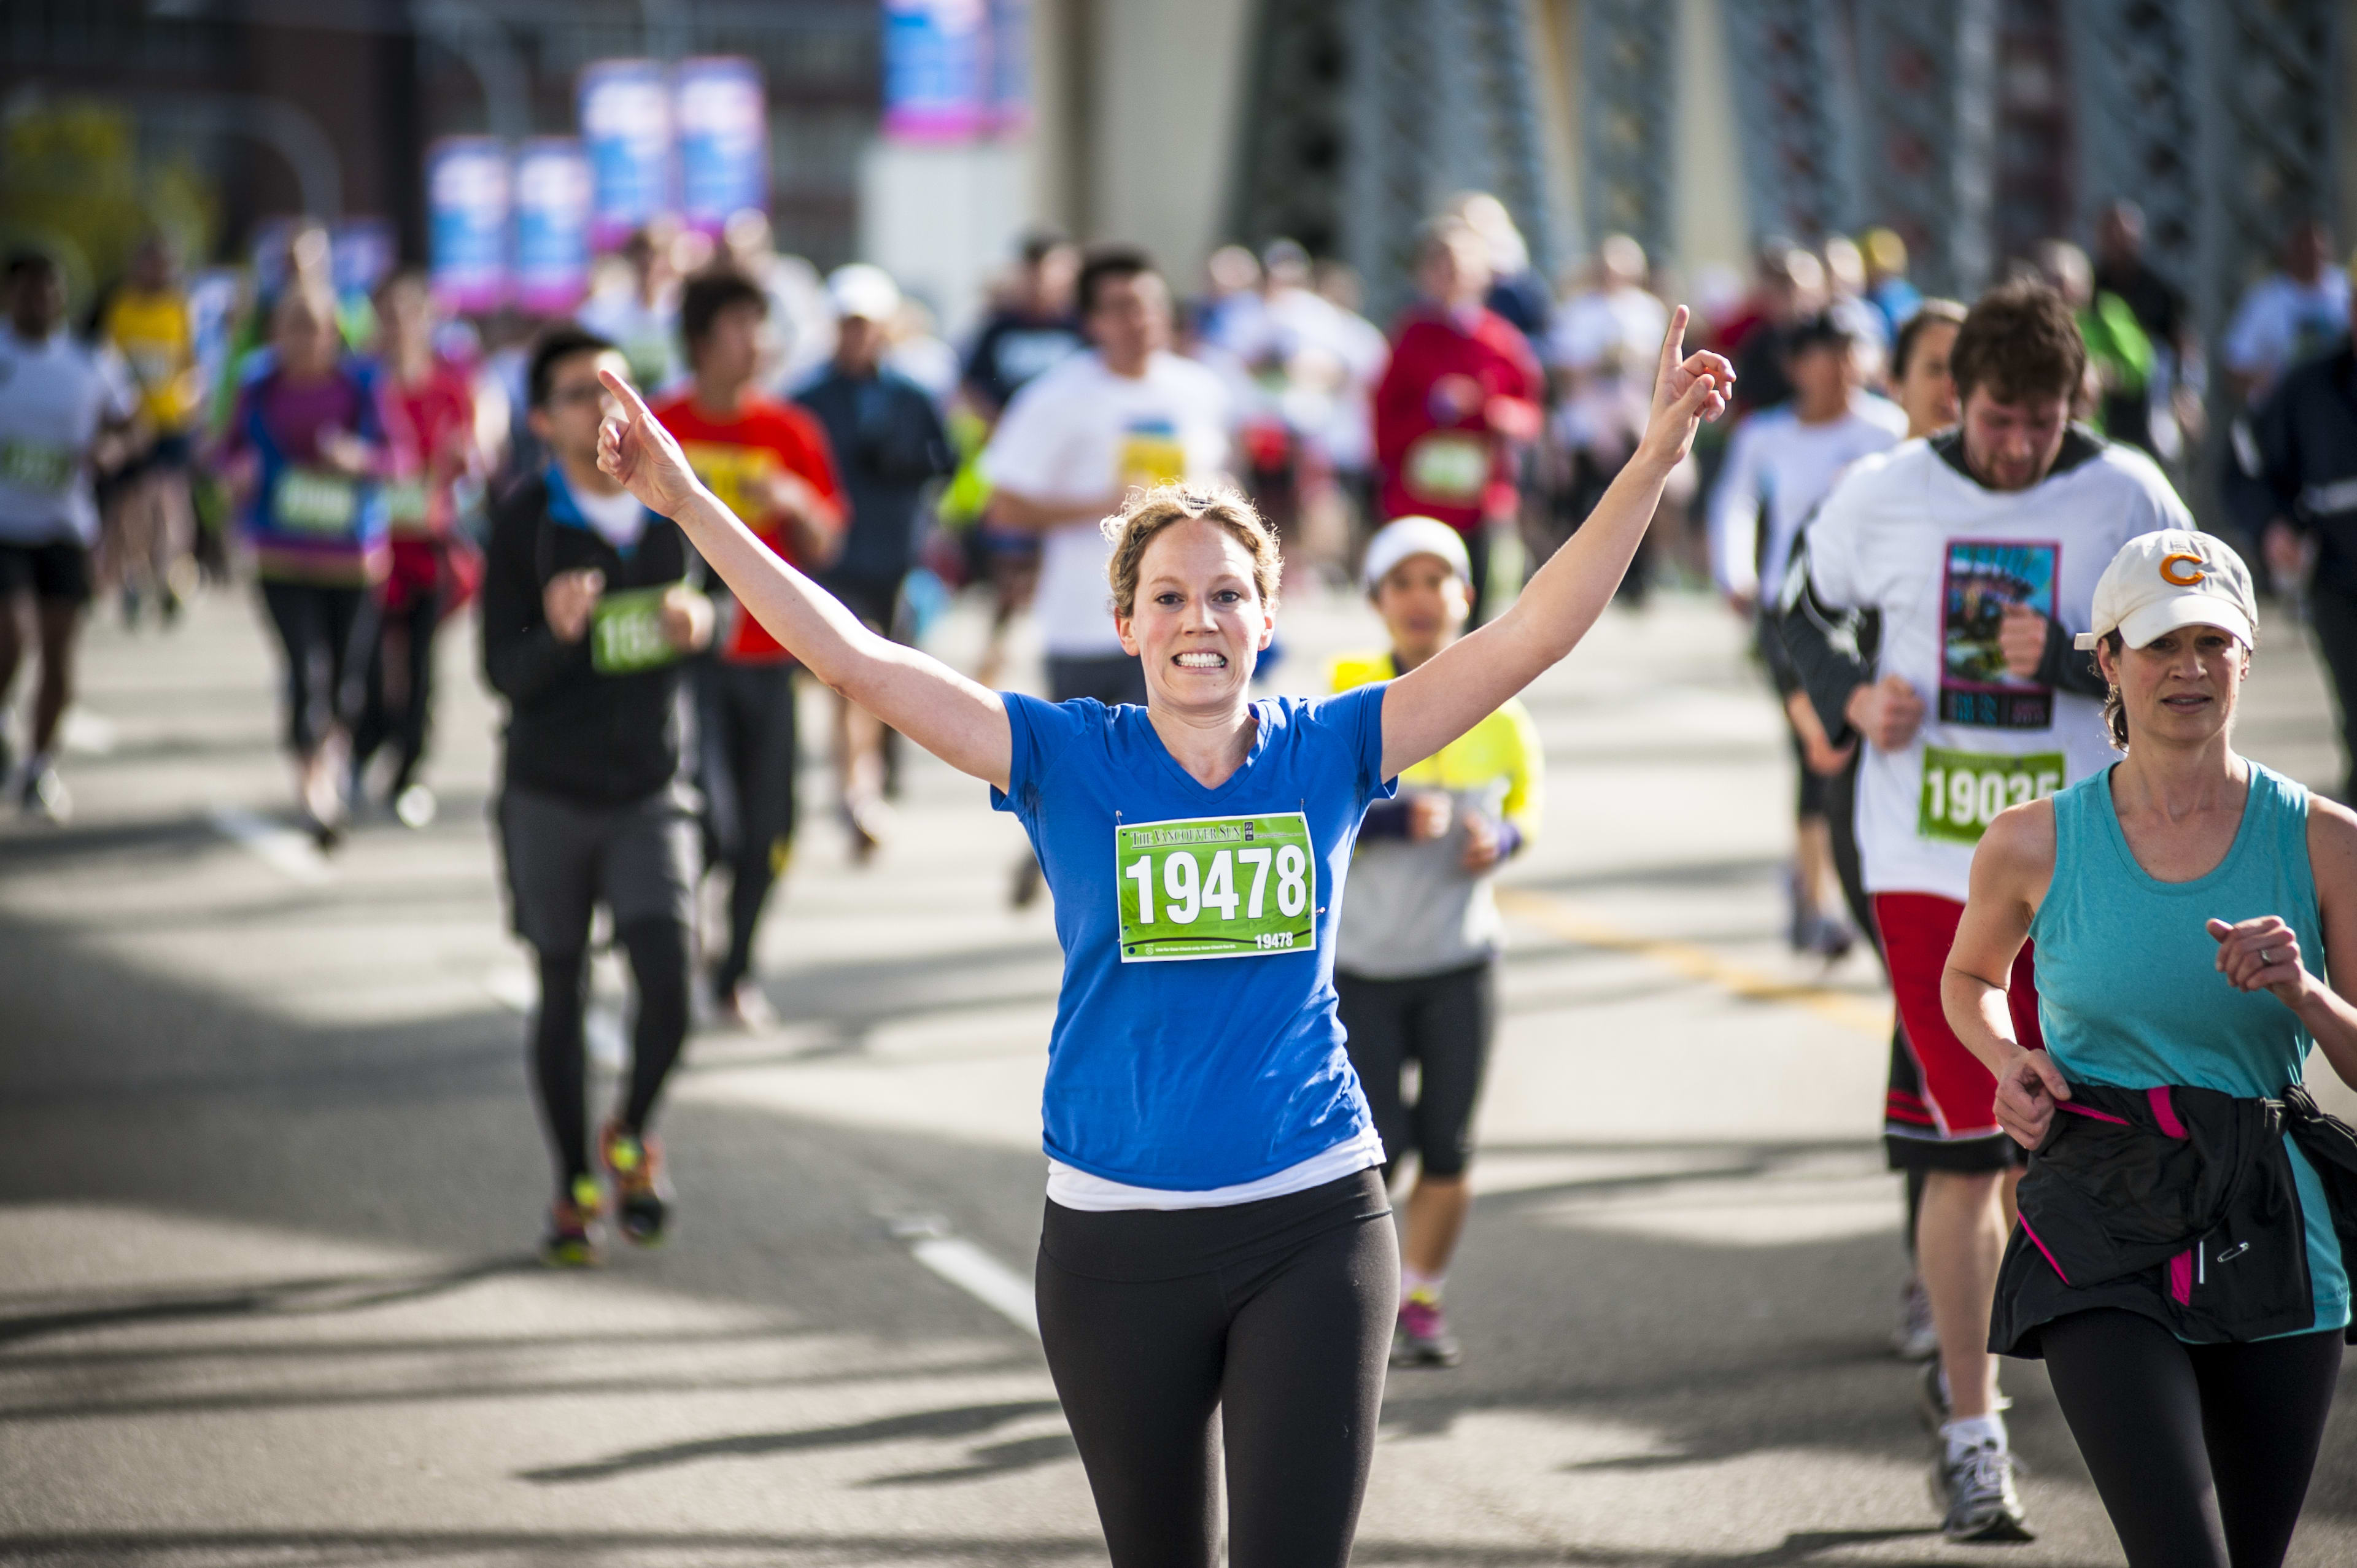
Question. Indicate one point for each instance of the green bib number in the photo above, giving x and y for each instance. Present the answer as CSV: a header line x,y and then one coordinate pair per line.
x,y
1216,888
1964,790
626,633
309,501
1450,466
38,465
404,506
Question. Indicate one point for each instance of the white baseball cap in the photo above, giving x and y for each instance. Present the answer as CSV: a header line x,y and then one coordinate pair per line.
x,y
864,291
2161,581
1397,541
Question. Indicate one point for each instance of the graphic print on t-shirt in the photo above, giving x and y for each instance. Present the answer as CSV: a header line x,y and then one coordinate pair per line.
x,y
1151,452
1982,578
1216,888
738,475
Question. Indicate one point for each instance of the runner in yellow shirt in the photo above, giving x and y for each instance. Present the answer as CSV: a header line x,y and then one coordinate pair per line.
x,y
150,525
1416,961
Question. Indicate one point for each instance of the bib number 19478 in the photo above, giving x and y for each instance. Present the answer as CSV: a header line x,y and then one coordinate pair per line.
x,y
1216,888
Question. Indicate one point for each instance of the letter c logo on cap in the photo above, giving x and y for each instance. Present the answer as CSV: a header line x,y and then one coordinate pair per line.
x,y
2169,573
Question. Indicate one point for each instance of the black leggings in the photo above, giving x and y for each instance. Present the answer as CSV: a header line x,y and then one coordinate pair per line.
x,y
2200,1453
383,724
1441,1023
327,633
658,950
1277,1317
750,757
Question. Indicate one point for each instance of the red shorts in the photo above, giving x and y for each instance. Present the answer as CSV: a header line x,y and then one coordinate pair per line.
x,y
1953,1097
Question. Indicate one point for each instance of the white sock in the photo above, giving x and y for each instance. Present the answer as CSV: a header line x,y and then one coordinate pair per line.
x,y
1975,1431
1413,1283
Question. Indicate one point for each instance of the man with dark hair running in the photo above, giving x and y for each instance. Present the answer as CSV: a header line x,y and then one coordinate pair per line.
x,y
1979,550
58,401
587,610
769,463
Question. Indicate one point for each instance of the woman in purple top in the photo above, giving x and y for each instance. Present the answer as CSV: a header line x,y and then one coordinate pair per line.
x,y
315,433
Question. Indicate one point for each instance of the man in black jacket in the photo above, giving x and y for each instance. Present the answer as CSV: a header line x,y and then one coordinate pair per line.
x,y
2307,437
587,608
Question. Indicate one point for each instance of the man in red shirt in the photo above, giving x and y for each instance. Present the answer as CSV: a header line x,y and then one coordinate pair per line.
x,y
768,463
1460,394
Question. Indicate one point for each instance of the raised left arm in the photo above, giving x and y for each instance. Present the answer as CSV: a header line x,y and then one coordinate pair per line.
x,y
1449,693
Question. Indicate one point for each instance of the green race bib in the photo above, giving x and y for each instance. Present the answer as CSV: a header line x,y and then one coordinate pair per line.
x,y
38,465
1450,466
1964,790
311,502
1216,888
626,633
404,506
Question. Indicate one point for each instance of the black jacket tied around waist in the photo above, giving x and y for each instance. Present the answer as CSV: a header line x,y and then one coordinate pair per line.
x,y
2179,1204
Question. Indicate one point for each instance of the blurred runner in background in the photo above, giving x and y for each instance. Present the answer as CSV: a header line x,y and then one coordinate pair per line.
x,y
768,461
1030,328
589,607
1779,465
1128,415
639,308
1600,352
153,525
1887,286
889,448
2306,439
1415,958
1460,395
2294,314
435,567
64,409
312,438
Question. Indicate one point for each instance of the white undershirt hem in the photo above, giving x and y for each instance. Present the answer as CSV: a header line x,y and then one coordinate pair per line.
x,y
1075,1189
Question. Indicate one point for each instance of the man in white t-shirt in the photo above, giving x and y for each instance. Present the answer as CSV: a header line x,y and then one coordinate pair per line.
x,y
59,402
1978,551
1779,465
1080,435
2289,316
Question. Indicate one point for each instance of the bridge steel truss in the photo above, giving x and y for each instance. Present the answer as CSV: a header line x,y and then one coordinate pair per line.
x,y
1628,122
1793,117
1364,115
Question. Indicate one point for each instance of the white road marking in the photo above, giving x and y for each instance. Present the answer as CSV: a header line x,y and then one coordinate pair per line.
x,y
973,1271
89,733
280,848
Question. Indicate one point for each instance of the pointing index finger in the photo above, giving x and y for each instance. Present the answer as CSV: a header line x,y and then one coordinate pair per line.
x,y
621,388
1674,342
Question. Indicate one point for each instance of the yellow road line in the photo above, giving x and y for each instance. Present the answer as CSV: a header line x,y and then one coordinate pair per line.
x,y
1568,920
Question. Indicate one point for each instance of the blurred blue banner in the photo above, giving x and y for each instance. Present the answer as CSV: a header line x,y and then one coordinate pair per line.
x,y
552,225
723,139
466,220
625,112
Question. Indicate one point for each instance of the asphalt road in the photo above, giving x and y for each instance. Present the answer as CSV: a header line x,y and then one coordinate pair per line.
x,y
270,1182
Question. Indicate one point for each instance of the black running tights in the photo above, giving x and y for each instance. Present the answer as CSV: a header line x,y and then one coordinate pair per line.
x,y
658,950
2200,1453
1287,1349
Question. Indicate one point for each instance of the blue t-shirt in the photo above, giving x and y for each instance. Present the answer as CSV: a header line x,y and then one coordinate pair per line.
x,y
1188,1076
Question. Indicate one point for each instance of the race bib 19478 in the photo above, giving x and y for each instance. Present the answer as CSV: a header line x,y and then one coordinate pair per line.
x,y
1216,888
1964,790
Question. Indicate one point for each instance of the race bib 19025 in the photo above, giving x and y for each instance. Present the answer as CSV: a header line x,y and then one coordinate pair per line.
x,y
1216,888
1964,790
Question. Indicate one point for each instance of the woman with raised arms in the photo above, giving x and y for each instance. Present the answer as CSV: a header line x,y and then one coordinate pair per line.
x,y
1216,1236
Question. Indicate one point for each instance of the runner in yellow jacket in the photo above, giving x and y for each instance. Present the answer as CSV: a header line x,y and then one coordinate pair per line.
x,y
1415,958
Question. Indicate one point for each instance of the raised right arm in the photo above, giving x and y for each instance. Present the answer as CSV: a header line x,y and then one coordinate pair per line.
x,y
959,720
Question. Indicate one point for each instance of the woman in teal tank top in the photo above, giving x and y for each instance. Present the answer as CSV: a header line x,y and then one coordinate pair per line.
x,y
2184,901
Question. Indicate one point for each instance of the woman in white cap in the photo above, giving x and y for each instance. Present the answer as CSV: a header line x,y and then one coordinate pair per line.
x,y
1216,1240
2179,1261
1415,965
